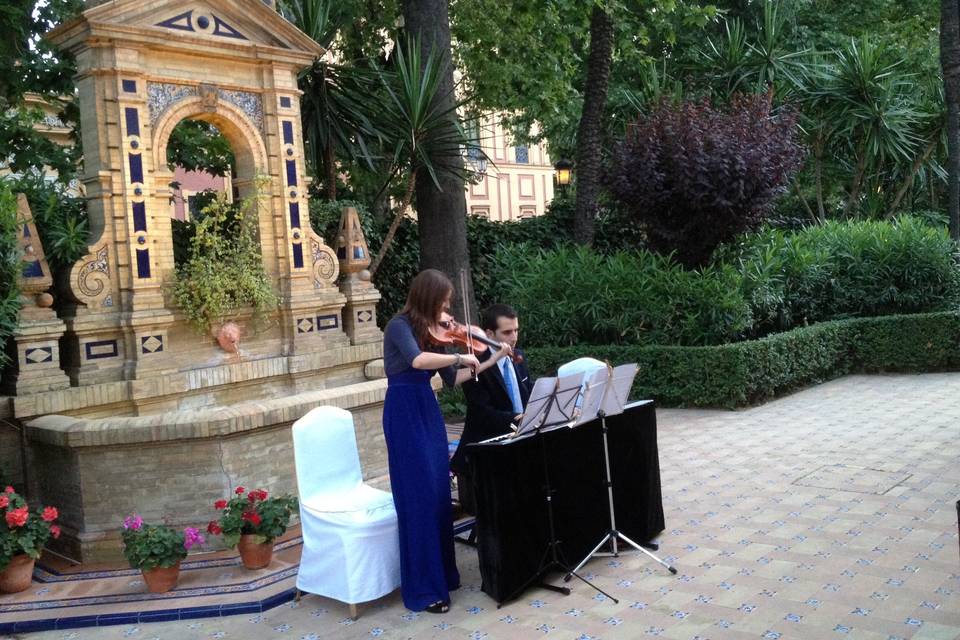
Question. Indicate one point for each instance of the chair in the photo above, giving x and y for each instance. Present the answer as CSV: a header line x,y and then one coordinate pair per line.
x,y
351,548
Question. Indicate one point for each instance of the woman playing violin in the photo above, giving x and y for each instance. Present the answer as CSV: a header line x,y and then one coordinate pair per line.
x,y
417,441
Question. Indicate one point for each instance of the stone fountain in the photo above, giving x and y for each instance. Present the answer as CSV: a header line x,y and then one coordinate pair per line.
x,y
122,406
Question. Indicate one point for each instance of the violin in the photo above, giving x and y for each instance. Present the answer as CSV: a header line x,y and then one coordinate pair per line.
x,y
449,332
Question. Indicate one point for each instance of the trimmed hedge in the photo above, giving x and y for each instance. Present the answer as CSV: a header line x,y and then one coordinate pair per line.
x,y
749,372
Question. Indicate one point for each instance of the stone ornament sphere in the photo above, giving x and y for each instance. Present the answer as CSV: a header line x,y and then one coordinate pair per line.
x,y
44,300
255,555
161,579
18,575
364,275
228,337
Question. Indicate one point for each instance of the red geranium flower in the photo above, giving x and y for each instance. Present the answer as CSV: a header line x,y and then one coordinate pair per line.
x,y
239,490
55,531
4,501
252,517
17,517
261,494
9,489
213,528
220,504
49,514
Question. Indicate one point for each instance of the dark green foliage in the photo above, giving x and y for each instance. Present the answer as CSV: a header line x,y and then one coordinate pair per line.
x,y
837,270
199,146
753,371
61,218
453,404
10,266
574,296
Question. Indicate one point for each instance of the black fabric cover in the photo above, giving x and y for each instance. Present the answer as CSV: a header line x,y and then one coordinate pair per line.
x,y
512,521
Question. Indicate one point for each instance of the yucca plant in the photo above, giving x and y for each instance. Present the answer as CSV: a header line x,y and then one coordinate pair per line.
x,y
421,137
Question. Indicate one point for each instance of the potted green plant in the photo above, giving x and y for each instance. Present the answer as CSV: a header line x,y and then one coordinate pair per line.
x,y
223,275
157,551
251,521
22,536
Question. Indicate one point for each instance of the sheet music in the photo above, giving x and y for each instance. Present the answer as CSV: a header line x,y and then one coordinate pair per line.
x,y
593,393
561,412
540,395
572,400
618,390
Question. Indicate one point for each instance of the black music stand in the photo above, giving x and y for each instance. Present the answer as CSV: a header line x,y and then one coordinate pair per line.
x,y
605,394
548,410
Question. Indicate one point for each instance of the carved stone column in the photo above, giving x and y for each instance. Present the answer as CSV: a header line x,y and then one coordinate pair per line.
x,y
37,337
360,312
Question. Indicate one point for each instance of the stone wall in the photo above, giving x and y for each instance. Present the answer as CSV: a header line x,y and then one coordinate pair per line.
x,y
10,468
174,466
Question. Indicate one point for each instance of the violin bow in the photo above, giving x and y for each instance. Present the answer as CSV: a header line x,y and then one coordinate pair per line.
x,y
466,316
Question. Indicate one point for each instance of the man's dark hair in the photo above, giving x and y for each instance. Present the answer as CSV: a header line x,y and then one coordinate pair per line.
x,y
488,321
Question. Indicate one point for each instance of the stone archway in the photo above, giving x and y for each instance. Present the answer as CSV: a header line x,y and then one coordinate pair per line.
x,y
145,387
141,71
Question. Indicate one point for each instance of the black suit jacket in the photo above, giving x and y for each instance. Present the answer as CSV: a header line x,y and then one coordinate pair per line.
x,y
489,409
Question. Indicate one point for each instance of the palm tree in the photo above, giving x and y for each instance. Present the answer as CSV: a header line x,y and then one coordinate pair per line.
x,y
334,108
950,64
590,131
423,135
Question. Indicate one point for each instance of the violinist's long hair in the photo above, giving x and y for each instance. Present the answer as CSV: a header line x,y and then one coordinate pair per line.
x,y
428,292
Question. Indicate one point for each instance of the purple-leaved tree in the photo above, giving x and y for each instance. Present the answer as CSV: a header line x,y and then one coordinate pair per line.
x,y
694,176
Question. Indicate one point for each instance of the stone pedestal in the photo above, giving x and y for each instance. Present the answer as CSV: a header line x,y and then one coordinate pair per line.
x,y
360,311
37,338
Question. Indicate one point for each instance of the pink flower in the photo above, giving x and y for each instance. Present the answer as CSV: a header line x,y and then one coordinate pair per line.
x,y
220,504
133,522
55,531
4,501
191,537
17,517
9,489
50,514
239,491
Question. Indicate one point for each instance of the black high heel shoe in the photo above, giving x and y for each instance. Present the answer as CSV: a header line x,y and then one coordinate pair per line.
x,y
438,607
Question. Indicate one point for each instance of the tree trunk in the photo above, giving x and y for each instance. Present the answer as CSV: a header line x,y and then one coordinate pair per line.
x,y
853,198
818,169
590,132
950,64
441,213
394,224
914,169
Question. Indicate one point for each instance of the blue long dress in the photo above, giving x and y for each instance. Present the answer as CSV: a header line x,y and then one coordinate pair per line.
x,y
419,471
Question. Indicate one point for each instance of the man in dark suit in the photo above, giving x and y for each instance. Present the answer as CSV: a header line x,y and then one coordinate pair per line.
x,y
496,400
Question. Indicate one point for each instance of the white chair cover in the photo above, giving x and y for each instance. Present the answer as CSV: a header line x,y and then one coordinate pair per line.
x,y
351,550
580,365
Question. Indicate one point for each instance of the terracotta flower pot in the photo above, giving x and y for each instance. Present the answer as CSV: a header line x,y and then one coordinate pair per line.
x,y
161,579
255,555
18,575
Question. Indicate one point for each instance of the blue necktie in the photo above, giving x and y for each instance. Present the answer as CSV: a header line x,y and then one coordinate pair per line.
x,y
509,379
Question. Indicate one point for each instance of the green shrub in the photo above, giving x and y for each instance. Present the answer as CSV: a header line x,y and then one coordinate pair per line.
x,y
60,217
575,296
224,272
752,371
10,266
838,270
